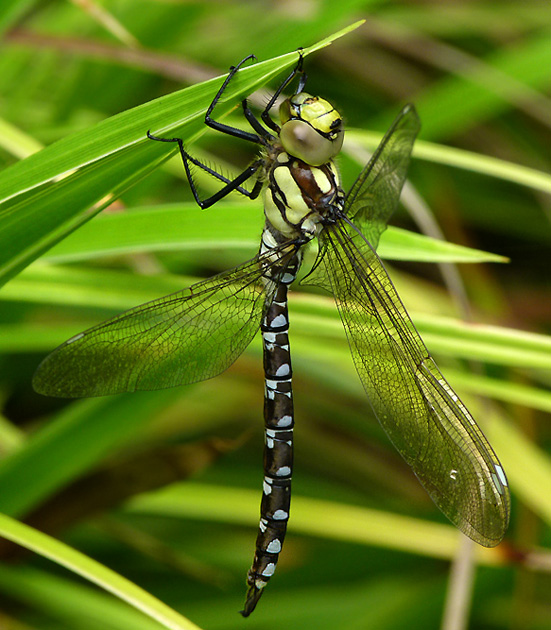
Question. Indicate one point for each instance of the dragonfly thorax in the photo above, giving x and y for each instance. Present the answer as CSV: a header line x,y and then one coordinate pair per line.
x,y
299,197
302,183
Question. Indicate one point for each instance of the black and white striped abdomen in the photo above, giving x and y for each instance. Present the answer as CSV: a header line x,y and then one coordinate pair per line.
x,y
278,427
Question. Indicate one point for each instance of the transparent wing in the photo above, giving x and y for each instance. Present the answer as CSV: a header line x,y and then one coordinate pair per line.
x,y
375,194
424,418
188,336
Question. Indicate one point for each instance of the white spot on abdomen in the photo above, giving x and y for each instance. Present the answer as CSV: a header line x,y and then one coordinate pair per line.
x,y
284,421
283,370
279,321
283,471
269,570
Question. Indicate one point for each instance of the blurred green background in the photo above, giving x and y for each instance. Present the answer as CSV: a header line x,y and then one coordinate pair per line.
x,y
164,487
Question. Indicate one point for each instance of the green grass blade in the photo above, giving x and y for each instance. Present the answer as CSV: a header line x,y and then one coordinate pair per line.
x,y
16,141
186,227
504,390
493,85
47,461
528,467
93,571
76,605
327,519
12,10
467,160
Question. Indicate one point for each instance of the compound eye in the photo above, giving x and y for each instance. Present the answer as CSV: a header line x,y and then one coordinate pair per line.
x,y
301,140
304,142
337,142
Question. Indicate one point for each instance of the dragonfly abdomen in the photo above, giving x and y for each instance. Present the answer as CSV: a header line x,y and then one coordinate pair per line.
x,y
278,446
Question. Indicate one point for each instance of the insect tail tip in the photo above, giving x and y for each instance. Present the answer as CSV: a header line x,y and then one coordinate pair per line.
x,y
253,595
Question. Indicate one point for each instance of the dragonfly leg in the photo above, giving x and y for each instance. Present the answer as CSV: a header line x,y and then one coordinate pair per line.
x,y
298,70
228,129
230,184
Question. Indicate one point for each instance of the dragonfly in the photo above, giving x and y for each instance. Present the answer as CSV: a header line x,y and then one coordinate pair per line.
x,y
197,333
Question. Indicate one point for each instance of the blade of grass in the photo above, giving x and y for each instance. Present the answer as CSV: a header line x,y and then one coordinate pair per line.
x,y
93,428
77,606
456,103
16,141
185,226
467,160
327,519
528,467
502,389
12,10
93,571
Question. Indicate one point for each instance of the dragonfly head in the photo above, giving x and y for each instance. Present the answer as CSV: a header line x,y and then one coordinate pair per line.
x,y
311,129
